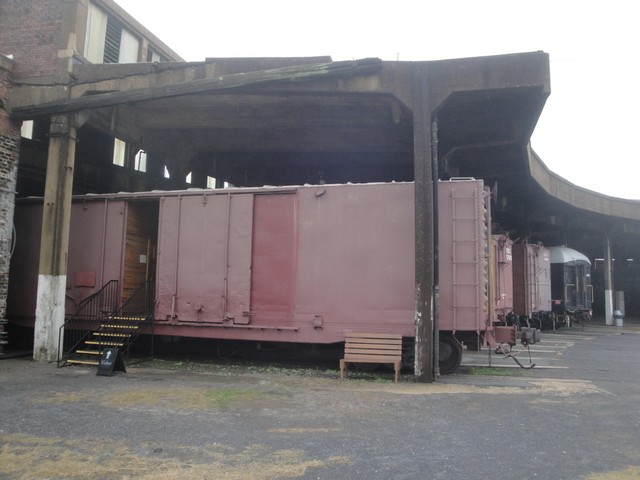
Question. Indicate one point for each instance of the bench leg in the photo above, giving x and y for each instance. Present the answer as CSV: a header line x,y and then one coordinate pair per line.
x,y
342,367
396,368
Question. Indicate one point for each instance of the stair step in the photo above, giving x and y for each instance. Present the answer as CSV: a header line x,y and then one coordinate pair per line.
x,y
130,327
106,344
88,352
132,318
108,334
83,362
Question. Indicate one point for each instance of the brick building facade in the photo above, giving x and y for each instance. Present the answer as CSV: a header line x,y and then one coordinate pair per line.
x,y
33,40
40,42
9,153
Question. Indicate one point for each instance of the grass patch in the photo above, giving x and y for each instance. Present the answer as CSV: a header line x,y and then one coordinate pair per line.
x,y
227,396
238,368
30,457
189,399
377,374
493,371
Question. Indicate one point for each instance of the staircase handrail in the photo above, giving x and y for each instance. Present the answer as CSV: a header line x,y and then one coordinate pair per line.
x,y
131,308
92,308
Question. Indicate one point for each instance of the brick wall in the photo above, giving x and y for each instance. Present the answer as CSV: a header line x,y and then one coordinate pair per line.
x,y
29,30
9,152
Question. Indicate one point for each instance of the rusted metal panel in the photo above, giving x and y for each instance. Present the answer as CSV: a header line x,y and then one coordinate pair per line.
x,y
464,244
502,277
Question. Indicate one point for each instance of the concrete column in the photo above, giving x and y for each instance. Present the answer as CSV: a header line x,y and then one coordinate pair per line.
x,y
52,279
608,282
424,225
620,301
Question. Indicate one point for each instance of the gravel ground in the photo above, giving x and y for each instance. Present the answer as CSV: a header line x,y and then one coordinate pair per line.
x,y
577,417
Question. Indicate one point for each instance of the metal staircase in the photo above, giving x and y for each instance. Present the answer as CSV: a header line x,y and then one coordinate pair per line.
x,y
107,327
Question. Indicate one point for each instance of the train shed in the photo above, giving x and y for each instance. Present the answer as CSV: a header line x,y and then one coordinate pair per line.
x,y
287,121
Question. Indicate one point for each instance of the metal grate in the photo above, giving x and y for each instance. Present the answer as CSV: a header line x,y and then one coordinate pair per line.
x,y
112,41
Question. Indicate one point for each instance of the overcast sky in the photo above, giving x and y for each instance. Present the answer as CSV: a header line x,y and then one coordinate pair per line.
x,y
589,128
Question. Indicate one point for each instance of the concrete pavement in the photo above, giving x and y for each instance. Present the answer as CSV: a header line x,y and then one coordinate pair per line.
x,y
577,416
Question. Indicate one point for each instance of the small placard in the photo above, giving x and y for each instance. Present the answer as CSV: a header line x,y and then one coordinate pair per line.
x,y
111,361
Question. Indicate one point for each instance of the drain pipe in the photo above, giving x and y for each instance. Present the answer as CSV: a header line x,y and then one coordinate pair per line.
x,y
436,257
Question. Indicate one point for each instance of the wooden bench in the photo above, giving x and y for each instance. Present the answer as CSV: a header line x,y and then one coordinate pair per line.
x,y
372,348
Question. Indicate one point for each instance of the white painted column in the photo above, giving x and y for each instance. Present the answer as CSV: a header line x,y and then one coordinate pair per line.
x,y
620,301
49,316
608,282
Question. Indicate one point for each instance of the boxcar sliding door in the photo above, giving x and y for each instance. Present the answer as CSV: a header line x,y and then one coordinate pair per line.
x,y
140,251
273,259
204,258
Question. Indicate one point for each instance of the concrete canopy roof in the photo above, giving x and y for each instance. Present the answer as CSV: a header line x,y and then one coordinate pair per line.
x,y
277,115
301,120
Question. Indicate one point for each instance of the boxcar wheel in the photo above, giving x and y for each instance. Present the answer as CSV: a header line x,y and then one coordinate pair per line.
x,y
450,354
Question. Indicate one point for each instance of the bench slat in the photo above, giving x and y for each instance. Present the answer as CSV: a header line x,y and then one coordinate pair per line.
x,y
382,348
372,358
372,335
377,339
396,346
371,353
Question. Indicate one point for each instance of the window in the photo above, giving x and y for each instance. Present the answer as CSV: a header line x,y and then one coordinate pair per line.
x,y
140,161
153,56
26,131
112,41
119,152
107,41
213,183
37,130
95,36
129,46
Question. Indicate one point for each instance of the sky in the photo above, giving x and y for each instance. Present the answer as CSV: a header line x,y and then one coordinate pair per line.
x,y
590,123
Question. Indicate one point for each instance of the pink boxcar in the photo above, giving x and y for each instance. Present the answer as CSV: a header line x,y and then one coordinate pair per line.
x,y
532,282
502,285
291,264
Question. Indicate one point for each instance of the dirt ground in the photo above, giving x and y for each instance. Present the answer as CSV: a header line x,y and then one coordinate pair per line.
x,y
578,417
